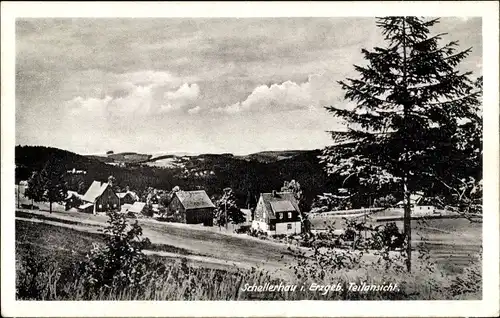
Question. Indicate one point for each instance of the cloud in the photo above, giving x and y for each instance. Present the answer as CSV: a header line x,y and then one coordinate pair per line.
x,y
185,93
137,94
82,106
276,97
182,98
111,71
194,110
319,90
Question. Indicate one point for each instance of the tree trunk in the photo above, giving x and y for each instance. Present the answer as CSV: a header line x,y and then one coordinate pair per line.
x,y
50,207
406,192
407,225
225,213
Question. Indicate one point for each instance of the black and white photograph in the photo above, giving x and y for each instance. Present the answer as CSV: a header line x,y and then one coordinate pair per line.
x,y
251,158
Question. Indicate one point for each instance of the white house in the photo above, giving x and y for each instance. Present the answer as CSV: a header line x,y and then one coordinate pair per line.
x,y
418,205
277,213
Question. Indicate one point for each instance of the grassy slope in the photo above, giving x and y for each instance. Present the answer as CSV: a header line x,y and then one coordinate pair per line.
x,y
65,246
198,240
447,249
52,237
235,248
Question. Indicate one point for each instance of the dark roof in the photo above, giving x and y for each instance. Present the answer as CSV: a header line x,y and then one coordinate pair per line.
x,y
280,200
194,199
282,206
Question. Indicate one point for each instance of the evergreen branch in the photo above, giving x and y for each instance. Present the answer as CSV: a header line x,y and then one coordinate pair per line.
x,y
431,22
462,54
362,94
432,38
463,98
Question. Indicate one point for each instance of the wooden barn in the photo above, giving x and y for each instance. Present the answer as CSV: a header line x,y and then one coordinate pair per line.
x,y
192,207
277,213
100,197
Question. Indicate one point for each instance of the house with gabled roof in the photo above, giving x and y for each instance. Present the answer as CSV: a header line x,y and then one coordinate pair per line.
x,y
192,207
277,213
99,197
128,197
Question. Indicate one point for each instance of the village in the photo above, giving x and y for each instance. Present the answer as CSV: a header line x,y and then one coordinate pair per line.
x,y
276,214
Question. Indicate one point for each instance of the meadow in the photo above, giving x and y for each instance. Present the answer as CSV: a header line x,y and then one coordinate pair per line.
x,y
46,256
452,243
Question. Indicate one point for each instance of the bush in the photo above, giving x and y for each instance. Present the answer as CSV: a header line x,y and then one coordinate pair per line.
x,y
243,229
387,236
120,261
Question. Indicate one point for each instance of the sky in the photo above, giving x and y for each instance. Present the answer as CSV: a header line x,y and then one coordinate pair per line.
x,y
193,85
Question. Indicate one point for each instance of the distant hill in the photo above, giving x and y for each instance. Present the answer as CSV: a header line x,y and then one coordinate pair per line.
x,y
130,157
263,156
272,156
100,158
125,157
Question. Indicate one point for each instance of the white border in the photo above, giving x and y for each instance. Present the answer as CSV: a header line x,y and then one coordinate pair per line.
x,y
489,11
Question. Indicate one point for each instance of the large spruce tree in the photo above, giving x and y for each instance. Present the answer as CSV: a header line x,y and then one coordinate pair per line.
x,y
415,118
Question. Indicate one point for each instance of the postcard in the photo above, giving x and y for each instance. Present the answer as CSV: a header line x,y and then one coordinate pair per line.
x,y
250,159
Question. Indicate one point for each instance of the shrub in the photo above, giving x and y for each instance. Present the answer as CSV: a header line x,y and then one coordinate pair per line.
x,y
120,261
387,236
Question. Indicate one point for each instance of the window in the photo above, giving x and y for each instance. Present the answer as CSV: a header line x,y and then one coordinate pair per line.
x,y
272,227
280,216
100,206
289,215
114,205
289,226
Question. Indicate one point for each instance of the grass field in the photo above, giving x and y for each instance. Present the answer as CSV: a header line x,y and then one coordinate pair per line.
x,y
58,238
453,243
55,249
195,240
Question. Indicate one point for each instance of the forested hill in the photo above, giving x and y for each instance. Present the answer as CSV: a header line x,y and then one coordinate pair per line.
x,y
246,175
